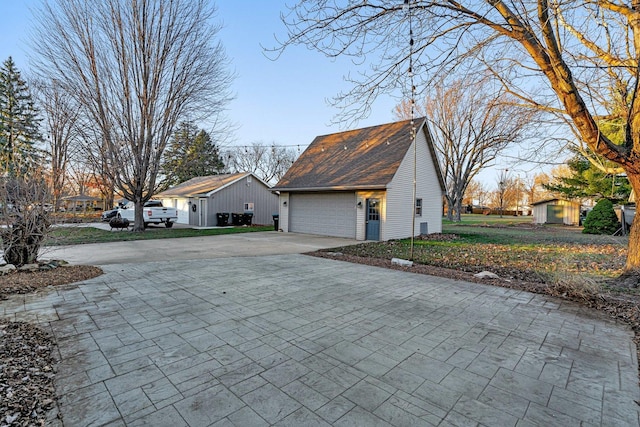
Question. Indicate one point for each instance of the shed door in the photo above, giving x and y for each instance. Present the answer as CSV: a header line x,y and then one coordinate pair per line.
x,y
202,213
328,214
373,219
555,214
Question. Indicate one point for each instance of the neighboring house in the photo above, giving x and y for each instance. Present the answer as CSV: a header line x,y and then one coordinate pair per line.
x,y
556,211
199,199
359,184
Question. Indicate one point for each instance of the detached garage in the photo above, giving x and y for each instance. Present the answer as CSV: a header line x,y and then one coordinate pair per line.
x,y
359,185
556,211
323,213
200,199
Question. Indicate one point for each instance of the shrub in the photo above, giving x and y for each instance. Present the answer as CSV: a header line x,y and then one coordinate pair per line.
x,y
602,219
24,218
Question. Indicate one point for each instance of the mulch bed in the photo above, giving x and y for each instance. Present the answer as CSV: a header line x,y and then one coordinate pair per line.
x,y
27,393
24,282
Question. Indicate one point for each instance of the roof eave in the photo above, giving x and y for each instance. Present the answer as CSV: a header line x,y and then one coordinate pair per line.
x,y
332,188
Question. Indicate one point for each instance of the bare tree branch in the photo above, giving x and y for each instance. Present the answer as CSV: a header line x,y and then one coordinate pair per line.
x,y
136,67
566,56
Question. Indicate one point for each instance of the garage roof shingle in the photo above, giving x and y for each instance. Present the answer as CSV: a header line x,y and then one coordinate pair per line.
x,y
200,186
355,159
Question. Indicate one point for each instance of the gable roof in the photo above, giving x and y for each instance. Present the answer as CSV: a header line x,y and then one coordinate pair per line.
x,y
556,199
204,186
366,158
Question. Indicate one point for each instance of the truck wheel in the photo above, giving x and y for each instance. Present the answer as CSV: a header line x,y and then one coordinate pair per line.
x,y
146,224
168,224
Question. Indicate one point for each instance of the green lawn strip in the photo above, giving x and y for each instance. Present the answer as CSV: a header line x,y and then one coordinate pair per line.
x,y
81,235
478,219
538,234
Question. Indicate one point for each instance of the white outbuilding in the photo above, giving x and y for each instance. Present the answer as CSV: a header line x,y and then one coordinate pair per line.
x,y
358,184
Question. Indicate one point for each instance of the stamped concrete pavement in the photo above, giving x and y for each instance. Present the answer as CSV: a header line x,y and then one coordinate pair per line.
x,y
293,340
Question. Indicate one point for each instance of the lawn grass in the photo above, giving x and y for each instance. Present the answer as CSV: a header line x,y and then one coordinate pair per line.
x,y
479,219
544,254
81,235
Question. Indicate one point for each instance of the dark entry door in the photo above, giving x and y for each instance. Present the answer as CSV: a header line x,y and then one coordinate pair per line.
x,y
555,214
373,219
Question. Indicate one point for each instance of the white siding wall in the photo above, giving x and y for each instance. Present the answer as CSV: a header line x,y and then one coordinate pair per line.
x,y
361,212
284,212
540,213
571,212
400,204
181,205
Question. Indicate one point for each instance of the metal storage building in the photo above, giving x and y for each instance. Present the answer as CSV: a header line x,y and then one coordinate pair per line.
x,y
199,199
556,211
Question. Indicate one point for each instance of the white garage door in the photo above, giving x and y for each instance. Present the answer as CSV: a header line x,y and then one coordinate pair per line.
x,y
328,214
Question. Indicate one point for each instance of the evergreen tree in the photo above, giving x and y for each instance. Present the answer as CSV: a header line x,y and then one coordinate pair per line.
x,y
18,123
587,181
602,219
190,153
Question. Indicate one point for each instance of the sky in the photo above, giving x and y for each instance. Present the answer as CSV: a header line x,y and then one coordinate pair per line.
x,y
281,102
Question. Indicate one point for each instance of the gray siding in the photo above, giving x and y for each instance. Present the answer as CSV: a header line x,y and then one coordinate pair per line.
x,y
231,199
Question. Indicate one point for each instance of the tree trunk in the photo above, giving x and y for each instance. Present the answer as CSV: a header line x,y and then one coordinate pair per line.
x,y
138,223
458,217
449,209
632,266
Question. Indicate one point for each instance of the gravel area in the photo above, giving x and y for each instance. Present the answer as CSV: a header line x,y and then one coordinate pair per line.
x,y
27,367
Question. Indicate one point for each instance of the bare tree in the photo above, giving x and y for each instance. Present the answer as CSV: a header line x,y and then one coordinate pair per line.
x,y
573,58
136,67
61,114
471,124
475,191
504,183
535,188
508,193
268,162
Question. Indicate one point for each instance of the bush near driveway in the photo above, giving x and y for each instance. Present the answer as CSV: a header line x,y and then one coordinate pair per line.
x,y
602,219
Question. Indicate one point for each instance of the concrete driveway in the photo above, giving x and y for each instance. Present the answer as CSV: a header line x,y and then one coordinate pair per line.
x,y
223,246
292,340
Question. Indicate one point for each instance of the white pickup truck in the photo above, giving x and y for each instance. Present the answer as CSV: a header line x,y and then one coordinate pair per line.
x,y
152,213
